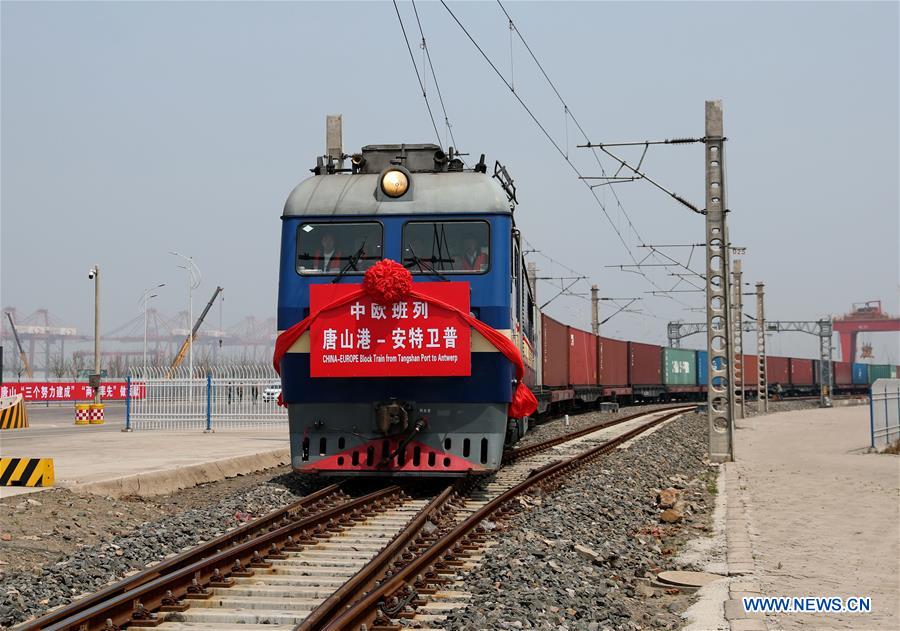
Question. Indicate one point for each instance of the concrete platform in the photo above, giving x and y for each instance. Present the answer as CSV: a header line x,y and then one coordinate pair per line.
x,y
105,460
822,516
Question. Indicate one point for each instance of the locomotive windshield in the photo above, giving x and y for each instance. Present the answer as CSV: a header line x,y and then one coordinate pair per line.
x,y
332,248
461,247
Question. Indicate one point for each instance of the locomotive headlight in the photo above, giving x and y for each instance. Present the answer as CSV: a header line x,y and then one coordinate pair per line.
x,y
394,183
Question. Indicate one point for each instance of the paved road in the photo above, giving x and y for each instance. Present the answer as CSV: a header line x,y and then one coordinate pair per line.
x,y
823,513
58,419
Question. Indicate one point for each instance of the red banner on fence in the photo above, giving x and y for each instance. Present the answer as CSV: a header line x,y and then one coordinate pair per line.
x,y
411,338
70,390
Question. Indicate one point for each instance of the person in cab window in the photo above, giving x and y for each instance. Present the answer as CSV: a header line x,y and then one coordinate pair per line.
x,y
472,259
327,259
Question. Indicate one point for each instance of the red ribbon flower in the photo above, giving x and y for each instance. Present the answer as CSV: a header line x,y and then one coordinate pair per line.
x,y
387,282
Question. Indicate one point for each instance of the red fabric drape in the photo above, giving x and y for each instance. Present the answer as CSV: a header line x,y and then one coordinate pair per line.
x,y
388,282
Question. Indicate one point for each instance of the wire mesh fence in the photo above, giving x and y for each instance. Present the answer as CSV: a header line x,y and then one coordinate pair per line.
x,y
213,398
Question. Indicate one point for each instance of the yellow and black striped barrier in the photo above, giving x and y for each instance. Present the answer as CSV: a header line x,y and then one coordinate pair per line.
x,y
12,412
26,471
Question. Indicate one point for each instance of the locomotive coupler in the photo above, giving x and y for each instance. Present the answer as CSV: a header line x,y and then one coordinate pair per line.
x,y
391,417
419,425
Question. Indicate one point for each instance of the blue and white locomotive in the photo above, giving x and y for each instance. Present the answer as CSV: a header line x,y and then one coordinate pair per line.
x,y
421,207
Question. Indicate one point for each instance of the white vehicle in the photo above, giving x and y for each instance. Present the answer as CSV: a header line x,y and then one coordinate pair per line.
x,y
271,393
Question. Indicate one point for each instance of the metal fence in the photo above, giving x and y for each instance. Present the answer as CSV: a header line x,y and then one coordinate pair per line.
x,y
214,398
884,412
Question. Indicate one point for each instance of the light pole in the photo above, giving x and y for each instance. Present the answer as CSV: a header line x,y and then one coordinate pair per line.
x,y
144,301
194,278
94,274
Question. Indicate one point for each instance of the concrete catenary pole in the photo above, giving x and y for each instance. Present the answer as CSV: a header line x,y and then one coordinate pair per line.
x,y
720,398
825,367
595,310
738,334
762,378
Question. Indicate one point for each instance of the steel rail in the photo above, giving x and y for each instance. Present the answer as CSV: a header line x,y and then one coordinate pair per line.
x,y
365,610
166,566
369,574
511,455
191,581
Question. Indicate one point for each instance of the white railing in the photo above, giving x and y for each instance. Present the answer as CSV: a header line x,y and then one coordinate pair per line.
x,y
218,397
884,412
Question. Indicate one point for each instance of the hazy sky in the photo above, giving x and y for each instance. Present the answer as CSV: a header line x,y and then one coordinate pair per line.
x,y
132,129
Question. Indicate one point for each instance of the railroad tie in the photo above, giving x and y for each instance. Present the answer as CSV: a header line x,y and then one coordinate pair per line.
x,y
26,471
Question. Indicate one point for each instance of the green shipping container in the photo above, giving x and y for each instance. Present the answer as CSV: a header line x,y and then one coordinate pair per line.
x,y
881,371
679,367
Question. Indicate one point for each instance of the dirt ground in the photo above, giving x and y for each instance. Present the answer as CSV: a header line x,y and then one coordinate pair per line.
x,y
823,513
39,528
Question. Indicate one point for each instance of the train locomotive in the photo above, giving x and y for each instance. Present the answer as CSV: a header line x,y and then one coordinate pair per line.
x,y
407,388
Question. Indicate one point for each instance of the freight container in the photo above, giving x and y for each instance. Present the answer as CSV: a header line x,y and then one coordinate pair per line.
x,y
555,352
801,372
644,364
702,368
778,371
843,374
860,374
613,362
880,371
582,358
679,367
751,366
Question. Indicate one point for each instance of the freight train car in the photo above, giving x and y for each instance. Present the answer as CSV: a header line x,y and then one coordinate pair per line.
x,y
679,372
614,368
583,364
645,370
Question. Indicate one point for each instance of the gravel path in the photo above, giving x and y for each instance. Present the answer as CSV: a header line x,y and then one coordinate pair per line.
x,y
104,549
536,578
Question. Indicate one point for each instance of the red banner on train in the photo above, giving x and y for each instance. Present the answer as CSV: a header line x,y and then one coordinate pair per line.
x,y
411,338
70,390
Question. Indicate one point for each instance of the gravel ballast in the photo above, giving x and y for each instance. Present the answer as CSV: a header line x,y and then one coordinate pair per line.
x,y
579,557
26,594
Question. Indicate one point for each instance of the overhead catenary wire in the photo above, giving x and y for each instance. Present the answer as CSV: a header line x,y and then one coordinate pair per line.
x,y
568,113
527,109
412,58
437,87
553,142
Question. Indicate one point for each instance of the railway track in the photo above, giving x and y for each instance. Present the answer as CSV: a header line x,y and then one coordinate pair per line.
x,y
336,562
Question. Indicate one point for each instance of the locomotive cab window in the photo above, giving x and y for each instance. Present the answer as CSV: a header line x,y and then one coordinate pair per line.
x,y
332,248
447,247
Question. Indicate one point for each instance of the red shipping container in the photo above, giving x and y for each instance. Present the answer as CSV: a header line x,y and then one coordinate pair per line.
x,y
645,363
750,365
554,352
801,372
582,358
778,371
613,362
843,373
